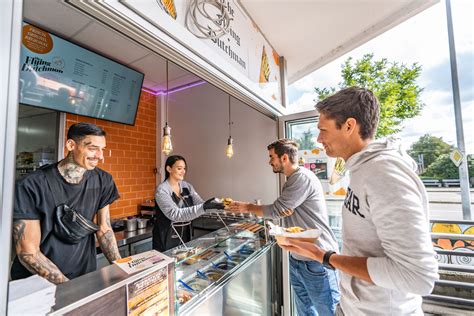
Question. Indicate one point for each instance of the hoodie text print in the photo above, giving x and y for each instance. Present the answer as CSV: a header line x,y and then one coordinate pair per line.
x,y
385,218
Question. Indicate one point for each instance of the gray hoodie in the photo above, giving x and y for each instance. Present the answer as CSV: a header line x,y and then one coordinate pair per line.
x,y
385,218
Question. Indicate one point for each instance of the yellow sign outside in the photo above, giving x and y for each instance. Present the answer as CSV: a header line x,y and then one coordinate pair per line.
x,y
456,157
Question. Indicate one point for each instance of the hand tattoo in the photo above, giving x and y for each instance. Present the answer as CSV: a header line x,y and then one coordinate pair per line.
x,y
70,170
108,244
37,263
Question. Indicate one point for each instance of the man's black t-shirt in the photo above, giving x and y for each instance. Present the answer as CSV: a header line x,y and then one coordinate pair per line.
x,y
34,200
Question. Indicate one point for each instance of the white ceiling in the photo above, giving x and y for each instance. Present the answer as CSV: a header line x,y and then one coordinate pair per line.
x,y
308,33
312,33
63,20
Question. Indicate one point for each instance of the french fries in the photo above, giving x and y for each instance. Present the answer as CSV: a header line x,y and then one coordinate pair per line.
x,y
294,229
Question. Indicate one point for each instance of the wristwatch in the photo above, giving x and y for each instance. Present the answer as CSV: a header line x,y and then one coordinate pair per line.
x,y
326,257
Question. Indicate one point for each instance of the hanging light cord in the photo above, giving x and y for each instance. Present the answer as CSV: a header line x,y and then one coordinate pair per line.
x,y
230,122
166,100
220,24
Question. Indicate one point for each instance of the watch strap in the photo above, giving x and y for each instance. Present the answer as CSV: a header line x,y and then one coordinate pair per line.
x,y
326,257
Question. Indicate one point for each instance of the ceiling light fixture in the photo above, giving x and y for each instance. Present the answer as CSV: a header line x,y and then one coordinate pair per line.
x,y
166,145
230,150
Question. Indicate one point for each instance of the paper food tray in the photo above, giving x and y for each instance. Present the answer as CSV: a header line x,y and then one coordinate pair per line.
x,y
279,232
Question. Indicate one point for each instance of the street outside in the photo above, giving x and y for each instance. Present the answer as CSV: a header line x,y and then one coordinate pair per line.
x,y
445,203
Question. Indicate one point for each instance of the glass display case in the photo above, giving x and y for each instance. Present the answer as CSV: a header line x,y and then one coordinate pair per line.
x,y
225,270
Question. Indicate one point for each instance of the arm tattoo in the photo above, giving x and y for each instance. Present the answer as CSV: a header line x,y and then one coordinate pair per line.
x,y
18,231
108,244
37,263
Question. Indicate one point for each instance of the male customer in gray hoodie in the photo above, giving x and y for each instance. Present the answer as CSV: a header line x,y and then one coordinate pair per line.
x,y
387,260
301,203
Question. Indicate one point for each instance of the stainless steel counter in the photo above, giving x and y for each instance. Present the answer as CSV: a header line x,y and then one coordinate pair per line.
x,y
125,238
78,296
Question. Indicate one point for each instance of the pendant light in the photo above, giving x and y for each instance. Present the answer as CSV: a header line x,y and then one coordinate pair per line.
x,y
230,150
166,145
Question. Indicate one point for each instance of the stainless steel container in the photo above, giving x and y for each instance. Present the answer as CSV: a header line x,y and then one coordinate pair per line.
x,y
141,222
131,224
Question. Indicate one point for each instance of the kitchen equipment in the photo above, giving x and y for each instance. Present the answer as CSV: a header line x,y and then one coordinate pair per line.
x,y
141,222
118,225
130,224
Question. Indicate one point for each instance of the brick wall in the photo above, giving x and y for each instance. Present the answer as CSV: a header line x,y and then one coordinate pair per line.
x,y
133,155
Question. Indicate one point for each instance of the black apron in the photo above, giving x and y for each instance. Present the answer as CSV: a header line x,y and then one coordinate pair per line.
x,y
164,236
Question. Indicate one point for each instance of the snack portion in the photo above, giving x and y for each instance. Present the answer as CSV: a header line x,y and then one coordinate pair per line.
x,y
295,232
227,201
184,296
250,226
294,229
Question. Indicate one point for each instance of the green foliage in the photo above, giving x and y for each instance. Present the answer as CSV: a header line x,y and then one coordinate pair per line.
x,y
306,141
442,168
431,147
438,164
394,85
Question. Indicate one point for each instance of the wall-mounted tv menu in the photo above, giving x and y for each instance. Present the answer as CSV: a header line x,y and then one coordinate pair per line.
x,y
59,75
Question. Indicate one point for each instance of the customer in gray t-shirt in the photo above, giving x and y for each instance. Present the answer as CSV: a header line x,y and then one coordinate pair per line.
x,y
301,203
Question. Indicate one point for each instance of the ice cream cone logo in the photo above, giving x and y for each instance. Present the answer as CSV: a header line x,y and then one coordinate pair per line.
x,y
169,7
264,68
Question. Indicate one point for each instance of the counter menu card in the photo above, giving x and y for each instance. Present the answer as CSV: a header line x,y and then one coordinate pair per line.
x,y
149,295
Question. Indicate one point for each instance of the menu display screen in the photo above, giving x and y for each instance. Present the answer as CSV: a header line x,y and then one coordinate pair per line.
x,y
59,75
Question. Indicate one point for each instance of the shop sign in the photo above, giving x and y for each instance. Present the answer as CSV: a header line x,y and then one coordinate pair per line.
x,y
243,45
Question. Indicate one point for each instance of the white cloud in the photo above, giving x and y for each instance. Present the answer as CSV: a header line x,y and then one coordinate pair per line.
x,y
437,119
304,103
422,39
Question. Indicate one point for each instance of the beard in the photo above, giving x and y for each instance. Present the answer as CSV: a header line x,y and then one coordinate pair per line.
x,y
277,169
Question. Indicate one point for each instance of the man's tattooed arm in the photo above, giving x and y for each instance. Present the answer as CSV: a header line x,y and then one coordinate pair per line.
x,y
106,236
26,237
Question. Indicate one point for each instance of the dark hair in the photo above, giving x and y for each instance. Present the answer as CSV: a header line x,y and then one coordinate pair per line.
x,y
78,131
171,161
285,146
358,103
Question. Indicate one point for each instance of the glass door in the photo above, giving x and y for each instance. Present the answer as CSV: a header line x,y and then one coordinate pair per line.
x,y
302,127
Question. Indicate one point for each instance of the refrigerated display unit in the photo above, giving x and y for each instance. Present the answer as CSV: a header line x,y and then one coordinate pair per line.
x,y
229,271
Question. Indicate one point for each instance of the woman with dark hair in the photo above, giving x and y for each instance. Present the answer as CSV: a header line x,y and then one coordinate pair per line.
x,y
177,203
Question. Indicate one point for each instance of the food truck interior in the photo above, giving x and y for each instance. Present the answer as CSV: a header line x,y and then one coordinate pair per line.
x,y
204,102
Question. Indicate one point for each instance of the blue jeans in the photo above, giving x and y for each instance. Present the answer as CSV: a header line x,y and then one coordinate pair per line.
x,y
316,288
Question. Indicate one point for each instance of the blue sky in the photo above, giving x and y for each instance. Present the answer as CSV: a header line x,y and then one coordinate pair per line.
x,y
422,39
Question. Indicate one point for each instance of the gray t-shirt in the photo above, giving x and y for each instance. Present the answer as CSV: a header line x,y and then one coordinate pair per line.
x,y
303,194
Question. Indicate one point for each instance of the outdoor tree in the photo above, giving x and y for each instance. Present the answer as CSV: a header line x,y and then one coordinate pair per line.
x,y
392,83
306,141
436,158
431,147
444,168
